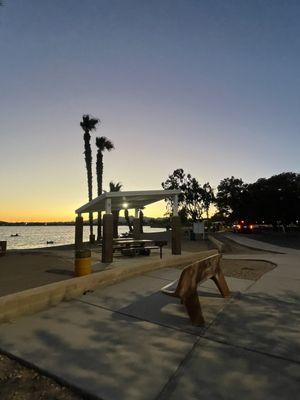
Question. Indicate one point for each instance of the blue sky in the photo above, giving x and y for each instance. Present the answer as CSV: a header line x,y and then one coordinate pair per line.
x,y
208,86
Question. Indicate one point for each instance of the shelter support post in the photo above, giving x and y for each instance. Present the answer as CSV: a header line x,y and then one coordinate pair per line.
x,y
108,206
176,235
99,226
107,238
176,229
115,214
78,231
92,235
141,218
108,229
136,225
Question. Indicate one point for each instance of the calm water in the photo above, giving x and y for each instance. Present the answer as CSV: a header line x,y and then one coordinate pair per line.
x,y
37,236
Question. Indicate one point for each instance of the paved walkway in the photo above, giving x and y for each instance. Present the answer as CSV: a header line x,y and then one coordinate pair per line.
x,y
245,240
128,341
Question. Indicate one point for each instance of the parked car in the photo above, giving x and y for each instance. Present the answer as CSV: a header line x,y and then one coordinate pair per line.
x,y
245,227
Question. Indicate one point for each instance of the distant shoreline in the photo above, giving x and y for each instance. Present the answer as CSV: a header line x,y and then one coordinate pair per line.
x,y
35,223
45,223
148,221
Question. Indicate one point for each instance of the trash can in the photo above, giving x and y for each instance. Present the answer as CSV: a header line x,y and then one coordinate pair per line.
x,y
3,248
83,262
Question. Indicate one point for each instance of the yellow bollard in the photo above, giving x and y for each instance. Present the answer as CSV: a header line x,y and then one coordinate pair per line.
x,y
83,262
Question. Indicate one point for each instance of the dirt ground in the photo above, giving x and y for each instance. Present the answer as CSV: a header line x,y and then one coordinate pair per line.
x,y
246,269
21,383
25,270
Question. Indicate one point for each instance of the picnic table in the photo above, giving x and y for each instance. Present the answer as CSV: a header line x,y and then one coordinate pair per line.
x,y
133,247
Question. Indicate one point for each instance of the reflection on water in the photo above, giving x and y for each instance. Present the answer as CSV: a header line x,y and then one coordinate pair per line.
x,y
30,237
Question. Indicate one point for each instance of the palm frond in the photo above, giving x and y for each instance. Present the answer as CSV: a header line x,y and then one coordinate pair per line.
x,y
104,144
89,123
115,187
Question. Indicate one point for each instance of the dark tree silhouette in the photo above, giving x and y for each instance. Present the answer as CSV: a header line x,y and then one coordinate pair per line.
x,y
102,144
115,187
193,199
230,197
88,124
274,200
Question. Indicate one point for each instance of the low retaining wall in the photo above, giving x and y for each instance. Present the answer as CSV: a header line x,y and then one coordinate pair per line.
x,y
219,245
36,299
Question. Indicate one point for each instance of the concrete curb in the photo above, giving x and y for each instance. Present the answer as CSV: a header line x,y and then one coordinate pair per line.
x,y
36,299
219,245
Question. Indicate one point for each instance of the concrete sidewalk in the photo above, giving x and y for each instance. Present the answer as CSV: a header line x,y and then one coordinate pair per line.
x,y
128,341
266,317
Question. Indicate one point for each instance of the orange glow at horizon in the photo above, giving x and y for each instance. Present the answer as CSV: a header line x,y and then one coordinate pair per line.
x,y
154,210
62,215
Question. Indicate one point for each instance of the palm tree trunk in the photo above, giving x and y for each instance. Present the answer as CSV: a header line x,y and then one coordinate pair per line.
x,y
88,163
99,169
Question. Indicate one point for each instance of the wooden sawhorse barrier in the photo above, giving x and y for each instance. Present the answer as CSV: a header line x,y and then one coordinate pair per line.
x,y
191,276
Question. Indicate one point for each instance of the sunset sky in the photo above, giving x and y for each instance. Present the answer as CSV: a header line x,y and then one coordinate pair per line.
x,y
209,86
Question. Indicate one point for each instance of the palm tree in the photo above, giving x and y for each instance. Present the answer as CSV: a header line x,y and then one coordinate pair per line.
x,y
115,187
88,124
102,144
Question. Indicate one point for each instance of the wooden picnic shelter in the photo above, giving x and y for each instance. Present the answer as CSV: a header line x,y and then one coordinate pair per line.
x,y
137,200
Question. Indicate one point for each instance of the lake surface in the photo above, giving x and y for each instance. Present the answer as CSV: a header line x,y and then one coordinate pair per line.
x,y
31,237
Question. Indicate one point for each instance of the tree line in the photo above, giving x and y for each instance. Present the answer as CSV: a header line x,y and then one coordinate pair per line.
x,y
274,200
